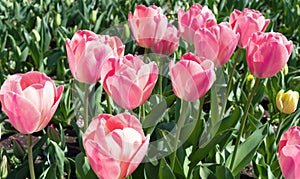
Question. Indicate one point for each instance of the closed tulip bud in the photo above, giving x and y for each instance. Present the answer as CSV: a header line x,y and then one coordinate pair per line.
x,y
148,25
285,69
36,34
128,80
196,17
88,51
19,151
53,133
267,53
4,167
216,43
57,20
247,22
126,31
94,16
287,102
192,76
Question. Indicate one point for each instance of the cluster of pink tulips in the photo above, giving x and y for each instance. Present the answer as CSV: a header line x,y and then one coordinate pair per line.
x,y
115,145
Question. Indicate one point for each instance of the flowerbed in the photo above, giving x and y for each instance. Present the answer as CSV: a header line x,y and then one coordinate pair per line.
x,y
96,89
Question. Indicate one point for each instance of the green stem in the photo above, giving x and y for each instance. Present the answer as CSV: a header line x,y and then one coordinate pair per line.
x,y
30,159
236,60
160,80
243,122
198,126
108,103
180,124
86,106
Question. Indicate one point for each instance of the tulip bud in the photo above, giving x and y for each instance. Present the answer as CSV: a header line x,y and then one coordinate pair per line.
x,y
126,31
19,151
53,133
285,69
287,102
94,16
36,34
4,167
57,20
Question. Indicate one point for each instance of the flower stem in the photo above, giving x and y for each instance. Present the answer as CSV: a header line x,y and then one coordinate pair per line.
x,y
236,60
160,80
30,159
108,104
198,126
86,106
180,124
243,122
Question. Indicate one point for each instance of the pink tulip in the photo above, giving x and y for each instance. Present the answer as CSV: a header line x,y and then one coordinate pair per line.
x,y
196,17
30,100
289,153
216,43
148,25
169,43
87,51
247,22
115,145
192,76
267,53
128,80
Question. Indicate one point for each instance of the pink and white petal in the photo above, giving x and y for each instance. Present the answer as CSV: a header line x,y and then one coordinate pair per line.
x,y
124,92
138,156
22,114
103,165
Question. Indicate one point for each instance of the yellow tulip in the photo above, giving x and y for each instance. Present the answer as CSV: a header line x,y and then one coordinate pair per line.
x,y
287,102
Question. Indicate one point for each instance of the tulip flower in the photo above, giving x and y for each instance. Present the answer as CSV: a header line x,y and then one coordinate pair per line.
x,y
196,17
216,43
247,22
192,76
287,102
148,25
86,53
267,53
115,145
169,43
128,80
289,153
29,100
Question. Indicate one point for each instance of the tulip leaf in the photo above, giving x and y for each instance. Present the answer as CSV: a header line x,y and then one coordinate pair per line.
x,y
247,150
287,123
59,157
200,153
83,168
165,171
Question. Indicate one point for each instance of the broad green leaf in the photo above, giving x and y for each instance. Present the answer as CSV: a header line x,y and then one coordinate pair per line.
x,y
200,153
165,171
247,150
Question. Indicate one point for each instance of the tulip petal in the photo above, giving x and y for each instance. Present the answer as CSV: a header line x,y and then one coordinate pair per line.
x,y
124,92
22,114
103,165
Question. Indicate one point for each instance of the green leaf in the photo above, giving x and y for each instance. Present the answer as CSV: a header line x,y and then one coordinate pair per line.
x,y
155,116
83,169
197,156
246,150
223,172
165,171
59,158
